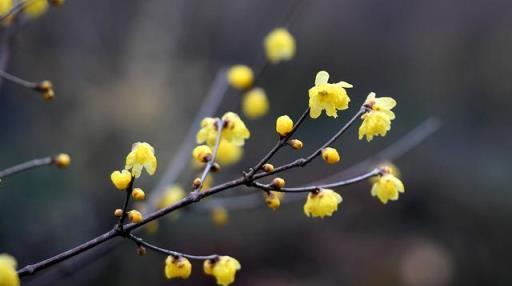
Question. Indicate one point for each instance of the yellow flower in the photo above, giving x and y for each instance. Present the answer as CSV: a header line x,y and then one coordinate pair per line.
x,y
202,153
121,179
322,203
240,76
141,156
35,8
330,155
328,96
222,268
279,45
377,121
234,130
219,216
255,103
387,188
5,7
8,275
170,196
228,153
284,125
177,267
272,199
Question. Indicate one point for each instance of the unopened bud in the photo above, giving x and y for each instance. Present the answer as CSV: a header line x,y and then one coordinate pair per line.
x,y
278,183
268,167
296,144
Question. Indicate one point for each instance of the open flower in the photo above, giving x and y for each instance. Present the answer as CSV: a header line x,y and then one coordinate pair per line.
x,y
322,203
8,275
141,156
222,268
377,121
177,267
233,130
330,97
387,188
279,45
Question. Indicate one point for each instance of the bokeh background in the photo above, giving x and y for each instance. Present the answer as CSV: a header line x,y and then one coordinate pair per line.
x,y
128,71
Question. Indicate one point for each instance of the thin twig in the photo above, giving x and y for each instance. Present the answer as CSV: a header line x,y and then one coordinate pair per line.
x,y
220,124
139,241
129,191
18,80
25,166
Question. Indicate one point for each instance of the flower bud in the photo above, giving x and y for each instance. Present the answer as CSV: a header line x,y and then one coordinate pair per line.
x,y
278,183
330,155
118,212
138,194
284,125
135,216
296,144
268,167
62,160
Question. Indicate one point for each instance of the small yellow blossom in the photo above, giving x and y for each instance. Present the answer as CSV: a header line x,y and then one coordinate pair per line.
x,y
255,103
177,267
121,179
240,76
228,153
322,203
35,8
171,195
284,125
8,275
219,216
272,199
135,216
279,45
202,153
377,121
222,268
62,160
387,188
5,7
330,155
330,97
141,156
234,130
138,194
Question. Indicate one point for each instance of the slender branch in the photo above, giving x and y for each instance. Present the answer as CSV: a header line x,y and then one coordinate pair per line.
x,y
209,165
306,189
140,241
18,80
25,166
129,191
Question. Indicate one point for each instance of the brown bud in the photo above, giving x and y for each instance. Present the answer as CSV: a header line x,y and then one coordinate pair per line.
x,y
268,167
49,95
44,86
118,212
62,160
196,183
138,194
215,167
296,144
141,250
278,183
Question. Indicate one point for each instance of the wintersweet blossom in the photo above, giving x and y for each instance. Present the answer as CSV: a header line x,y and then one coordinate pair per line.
x,y
322,203
177,267
387,188
121,179
202,153
240,76
233,130
279,45
284,125
141,156
377,120
272,199
228,153
255,103
223,268
8,275
330,97
330,155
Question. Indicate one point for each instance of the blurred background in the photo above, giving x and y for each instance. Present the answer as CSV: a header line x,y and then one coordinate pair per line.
x,y
127,71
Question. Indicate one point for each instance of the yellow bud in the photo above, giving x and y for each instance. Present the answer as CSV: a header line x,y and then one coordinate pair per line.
x,y
223,268
135,216
284,125
177,267
62,160
330,155
208,266
268,168
138,194
219,216
44,86
278,183
296,144
240,76
272,200
122,179
255,103
118,212
202,153
196,183
35,8
279,45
